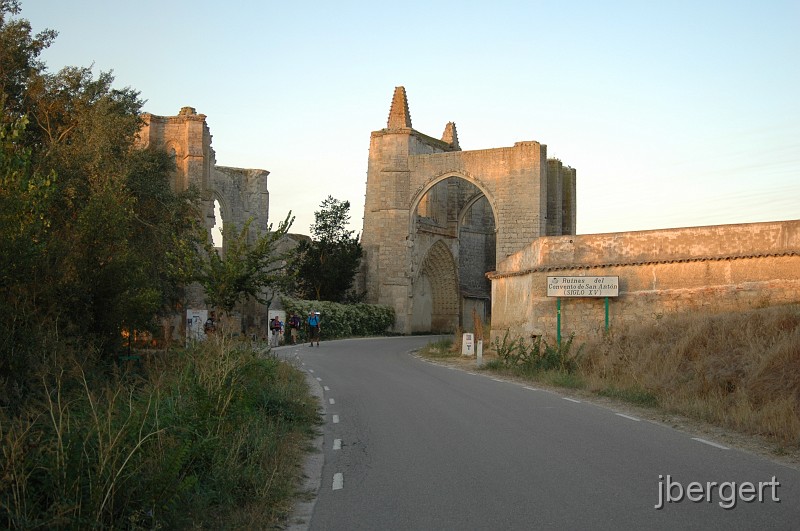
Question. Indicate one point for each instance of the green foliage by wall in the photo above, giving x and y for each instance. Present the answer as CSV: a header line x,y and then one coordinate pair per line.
x,y
343,320
326,265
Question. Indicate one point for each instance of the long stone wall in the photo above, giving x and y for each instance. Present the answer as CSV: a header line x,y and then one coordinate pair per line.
x,y
706,269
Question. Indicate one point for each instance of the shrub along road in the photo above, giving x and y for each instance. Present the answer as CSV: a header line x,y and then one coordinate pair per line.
x,y
413,445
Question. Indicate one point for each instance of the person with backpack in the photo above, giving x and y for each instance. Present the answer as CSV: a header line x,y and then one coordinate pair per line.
x,y
275,326
313,327
294,327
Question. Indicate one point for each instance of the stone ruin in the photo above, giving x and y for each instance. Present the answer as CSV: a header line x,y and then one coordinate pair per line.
x,y
437,219
240,194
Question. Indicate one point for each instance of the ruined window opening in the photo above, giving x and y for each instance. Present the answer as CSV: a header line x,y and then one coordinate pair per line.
x,y
216,230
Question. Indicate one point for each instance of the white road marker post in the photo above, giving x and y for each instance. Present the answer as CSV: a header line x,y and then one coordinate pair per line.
x,y
467,344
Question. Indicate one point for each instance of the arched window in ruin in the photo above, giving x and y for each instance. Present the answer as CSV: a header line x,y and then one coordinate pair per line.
x,y
216,228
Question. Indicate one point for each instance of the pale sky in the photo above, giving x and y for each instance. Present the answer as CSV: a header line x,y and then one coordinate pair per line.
x,y
674,114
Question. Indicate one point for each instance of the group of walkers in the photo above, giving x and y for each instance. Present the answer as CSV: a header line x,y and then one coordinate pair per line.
x,y
312,324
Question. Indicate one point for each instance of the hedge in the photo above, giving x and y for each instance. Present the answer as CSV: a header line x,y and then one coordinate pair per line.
x,y
342,320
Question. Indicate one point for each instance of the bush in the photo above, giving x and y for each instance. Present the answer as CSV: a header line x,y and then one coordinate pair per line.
x,y
209,435
536,357
442,348
343,320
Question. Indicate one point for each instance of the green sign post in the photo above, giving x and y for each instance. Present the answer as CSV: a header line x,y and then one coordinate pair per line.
x,y
558,321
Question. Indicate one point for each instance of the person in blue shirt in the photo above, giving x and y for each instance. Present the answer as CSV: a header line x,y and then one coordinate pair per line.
x,y
313,328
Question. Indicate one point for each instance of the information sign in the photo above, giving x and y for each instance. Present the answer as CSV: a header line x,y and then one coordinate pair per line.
x,y
582,286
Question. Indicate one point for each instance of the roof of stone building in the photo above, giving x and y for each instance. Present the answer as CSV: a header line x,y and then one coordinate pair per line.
x,y
621,263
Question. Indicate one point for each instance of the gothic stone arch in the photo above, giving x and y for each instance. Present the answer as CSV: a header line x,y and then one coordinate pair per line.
x,y
521,196
452,212
436,292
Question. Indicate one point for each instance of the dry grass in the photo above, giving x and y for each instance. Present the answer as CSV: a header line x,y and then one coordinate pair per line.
x,y
737,370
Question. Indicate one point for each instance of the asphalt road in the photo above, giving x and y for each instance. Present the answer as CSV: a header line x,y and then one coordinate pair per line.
x,y
411,445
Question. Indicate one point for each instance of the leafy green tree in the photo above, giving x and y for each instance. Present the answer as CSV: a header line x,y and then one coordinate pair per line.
x,y
326,265
107,244
19,58
245,270
115,214
25,199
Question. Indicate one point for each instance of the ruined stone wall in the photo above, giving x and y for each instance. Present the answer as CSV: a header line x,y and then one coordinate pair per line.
x,y
708,269
478,253
569,201
513,176
242,195
561,204
187,138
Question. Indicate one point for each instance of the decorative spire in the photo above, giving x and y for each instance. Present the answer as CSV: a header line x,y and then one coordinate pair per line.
x,y
450,135
399,117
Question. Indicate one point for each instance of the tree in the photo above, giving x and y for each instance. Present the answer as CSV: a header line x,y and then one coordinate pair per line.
x,y
245,270
19,58
90,222
326,265
25,199
115,215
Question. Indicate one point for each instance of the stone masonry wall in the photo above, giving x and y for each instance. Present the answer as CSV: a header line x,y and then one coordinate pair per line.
x,y
707,269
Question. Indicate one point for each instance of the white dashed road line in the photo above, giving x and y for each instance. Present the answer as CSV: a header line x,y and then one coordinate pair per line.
x,y
337,444
331,401
327,388
627,417
715,445
336,419
338,481
571,399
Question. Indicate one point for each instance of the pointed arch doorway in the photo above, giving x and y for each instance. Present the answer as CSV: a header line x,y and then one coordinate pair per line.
x,y
435,296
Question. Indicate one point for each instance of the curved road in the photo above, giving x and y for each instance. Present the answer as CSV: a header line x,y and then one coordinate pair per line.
x,y
411,445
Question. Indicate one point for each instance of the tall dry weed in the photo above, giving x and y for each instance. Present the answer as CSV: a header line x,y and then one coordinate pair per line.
x,y
740,370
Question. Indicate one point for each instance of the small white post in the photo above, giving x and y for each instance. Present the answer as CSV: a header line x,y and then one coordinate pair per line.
x,y
467,344
479,353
